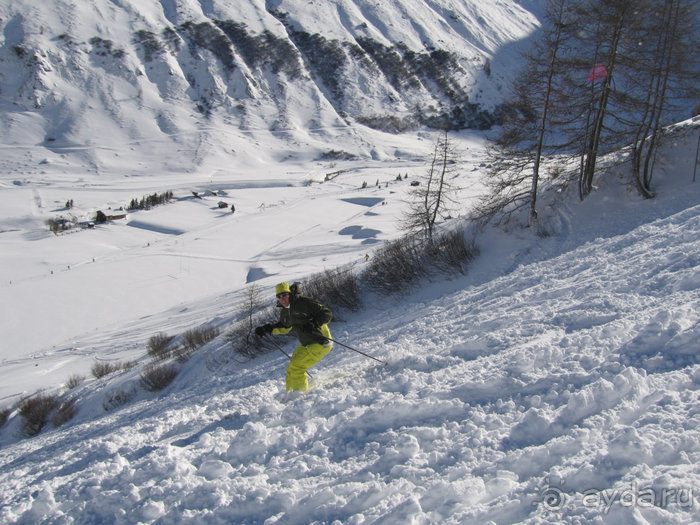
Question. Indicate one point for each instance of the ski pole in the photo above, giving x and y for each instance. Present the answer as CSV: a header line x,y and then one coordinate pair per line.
x,y
355,350
270,339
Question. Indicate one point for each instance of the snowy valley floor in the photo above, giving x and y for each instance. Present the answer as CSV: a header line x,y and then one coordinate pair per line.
x,y
563,391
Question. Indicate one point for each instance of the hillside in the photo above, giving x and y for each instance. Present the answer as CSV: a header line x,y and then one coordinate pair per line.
x,y
106,102
213,79
557,381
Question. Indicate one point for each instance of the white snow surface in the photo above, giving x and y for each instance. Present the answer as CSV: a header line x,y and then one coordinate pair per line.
x,y
556,382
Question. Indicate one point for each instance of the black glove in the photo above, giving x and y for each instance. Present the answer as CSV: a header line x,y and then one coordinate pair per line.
x,y
264,329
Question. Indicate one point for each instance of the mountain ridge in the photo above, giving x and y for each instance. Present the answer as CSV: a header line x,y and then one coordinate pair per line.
x,y
167,71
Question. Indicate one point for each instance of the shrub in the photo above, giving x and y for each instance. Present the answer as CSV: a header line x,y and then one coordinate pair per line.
x,y
152,48
53,225
102,369
243,341
403,262
396,265
389,123
337,155
336,288
208,36
155,378
171,39
262,49
35,412
59,224
74,381
4,415
65,412
104,46
182,354
99,370
556,171
326,59
242,337
450,252
196,338
20,51
390,61
117,398
158,346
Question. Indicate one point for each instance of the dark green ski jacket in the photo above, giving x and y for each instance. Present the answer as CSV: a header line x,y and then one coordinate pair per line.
x,y
303,312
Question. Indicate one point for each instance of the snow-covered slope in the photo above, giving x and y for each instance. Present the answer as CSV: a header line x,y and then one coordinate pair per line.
x,y
93,80
65,298
557,382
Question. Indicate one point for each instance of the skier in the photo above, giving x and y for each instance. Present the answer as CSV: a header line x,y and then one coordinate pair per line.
x,y
309,319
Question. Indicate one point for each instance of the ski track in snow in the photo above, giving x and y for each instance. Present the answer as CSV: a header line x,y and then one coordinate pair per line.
x,y
557,378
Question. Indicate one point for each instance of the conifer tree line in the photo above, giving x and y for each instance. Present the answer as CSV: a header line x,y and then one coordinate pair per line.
x,y
150,201
603,75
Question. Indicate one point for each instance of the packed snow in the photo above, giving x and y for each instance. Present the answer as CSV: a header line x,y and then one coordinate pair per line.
x,y
557,381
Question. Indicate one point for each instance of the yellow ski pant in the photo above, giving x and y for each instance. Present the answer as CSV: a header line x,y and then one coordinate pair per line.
x,y
303,358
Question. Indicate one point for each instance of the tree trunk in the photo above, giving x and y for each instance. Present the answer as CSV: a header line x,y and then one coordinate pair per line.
x,y
532,218
619,21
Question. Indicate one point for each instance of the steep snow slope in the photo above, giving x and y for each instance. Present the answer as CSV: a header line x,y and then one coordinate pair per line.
x,y
556,382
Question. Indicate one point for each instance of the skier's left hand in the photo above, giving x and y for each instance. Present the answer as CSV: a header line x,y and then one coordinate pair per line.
x,y
264,329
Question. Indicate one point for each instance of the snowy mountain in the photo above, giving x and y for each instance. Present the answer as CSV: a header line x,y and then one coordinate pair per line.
x,y
217,78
